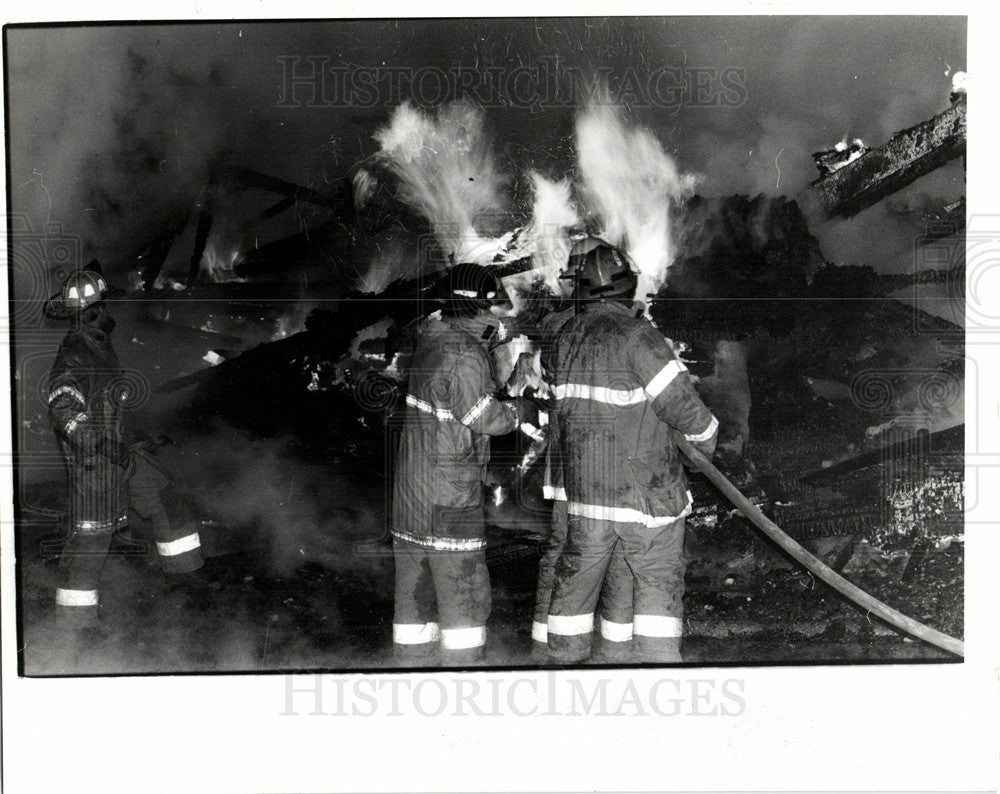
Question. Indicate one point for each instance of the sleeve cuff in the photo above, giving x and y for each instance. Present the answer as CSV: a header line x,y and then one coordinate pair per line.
x,y
705,434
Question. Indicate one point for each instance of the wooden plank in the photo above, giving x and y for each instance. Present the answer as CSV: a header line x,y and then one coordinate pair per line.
x,y
908,155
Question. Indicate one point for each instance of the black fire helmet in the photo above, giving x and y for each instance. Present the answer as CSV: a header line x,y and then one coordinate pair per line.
x,y
471,289
601,272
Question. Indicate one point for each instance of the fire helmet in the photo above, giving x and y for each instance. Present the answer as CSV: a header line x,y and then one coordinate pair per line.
x,y
471,288
600,271
79,291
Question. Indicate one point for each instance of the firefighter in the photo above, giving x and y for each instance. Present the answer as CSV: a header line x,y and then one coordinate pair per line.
x,y
88,401
621,395
442,593
616,595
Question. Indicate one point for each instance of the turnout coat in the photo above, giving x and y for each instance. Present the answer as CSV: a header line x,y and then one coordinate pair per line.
x,y
450,414
621,393
87,399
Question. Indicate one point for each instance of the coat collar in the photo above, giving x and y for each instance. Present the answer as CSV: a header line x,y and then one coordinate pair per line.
x,y
613,307
94,337
484,327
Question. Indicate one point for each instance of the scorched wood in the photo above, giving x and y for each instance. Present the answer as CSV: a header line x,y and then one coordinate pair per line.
x,y
908,155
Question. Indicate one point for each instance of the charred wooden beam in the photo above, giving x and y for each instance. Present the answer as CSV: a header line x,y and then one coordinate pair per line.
x,y
200,241
277,209
252,178
157,255
950,440
908,155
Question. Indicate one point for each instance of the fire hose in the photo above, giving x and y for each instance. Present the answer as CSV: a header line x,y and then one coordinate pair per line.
x,y
816,566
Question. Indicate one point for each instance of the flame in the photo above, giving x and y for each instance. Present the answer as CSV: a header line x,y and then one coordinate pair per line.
x,y
552,216
446,173
499,497
527,373
293,322
630,183
219,263
842,145
546,239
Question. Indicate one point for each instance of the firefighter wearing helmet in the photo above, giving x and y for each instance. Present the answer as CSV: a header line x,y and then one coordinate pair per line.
x,y
615,606
442,591
89,399
620,394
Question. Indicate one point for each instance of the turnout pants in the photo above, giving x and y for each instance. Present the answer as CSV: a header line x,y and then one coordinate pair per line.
x,y
615,607
178,545
442,602
80,565
86,549
655,556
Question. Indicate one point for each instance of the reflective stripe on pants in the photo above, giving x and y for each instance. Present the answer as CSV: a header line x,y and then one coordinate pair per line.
x,y
178,545
447,589
616,594
76,598
80,565
656,559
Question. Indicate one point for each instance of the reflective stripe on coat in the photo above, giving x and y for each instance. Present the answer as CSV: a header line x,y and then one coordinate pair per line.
x,y
451,412
88,395
621,393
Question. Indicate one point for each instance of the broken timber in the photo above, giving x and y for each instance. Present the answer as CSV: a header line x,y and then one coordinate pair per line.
x,y
908,155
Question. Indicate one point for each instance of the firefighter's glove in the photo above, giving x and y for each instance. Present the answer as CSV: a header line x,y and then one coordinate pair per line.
x,y
526,410
114,451
706,448
547,404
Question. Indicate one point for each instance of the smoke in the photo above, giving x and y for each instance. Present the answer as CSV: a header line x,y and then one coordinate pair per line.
x,y
446,172
630,184
126,158
294,511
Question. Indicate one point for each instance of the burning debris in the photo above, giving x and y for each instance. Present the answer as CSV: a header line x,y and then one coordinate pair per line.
x,y
844,153
959,86
909,154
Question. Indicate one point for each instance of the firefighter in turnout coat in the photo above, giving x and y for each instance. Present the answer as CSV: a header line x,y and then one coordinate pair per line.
x,y
442,598
616,596
88,400
621,395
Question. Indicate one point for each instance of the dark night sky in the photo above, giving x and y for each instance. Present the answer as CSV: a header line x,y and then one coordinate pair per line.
x,y
113,129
